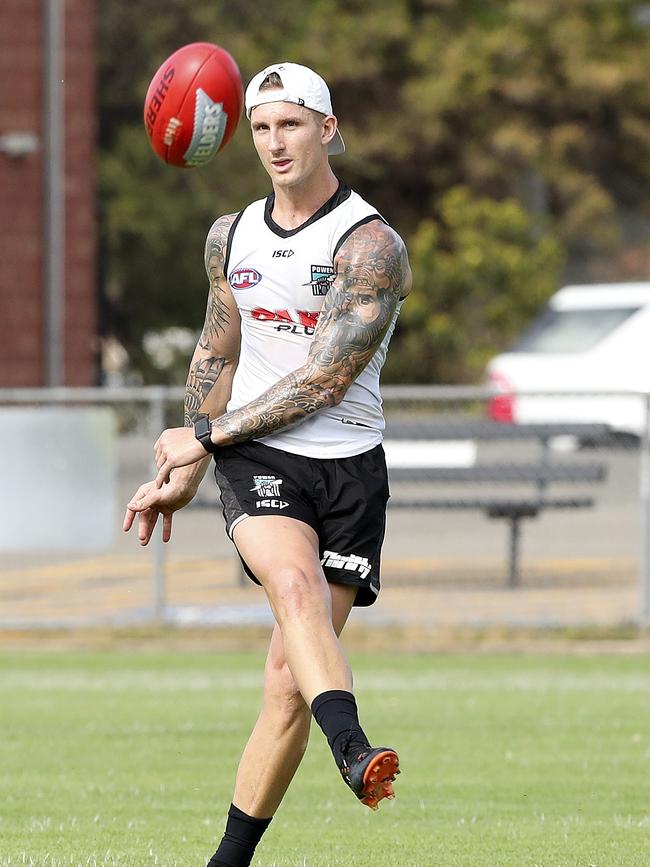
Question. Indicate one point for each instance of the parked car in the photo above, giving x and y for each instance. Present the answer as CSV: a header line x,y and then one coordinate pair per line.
x,y
592,338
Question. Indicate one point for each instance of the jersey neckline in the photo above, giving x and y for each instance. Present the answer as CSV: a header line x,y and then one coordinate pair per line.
x,y
342,193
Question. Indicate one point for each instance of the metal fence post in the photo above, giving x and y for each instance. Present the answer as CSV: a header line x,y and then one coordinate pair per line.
x,y
156,427
53,13
645,514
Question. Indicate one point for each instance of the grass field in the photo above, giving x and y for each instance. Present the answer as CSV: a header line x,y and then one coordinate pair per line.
x,y
127,758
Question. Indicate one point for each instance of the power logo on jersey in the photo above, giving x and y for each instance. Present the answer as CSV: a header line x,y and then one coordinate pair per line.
x,y
322,277
244,278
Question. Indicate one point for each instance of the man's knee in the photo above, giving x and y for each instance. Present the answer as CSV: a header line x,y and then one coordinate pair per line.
x,y
294,590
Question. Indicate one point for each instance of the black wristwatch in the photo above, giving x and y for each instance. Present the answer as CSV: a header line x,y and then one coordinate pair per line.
x,y
202,431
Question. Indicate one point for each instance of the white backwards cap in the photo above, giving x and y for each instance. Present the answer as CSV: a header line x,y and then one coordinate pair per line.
x,y
301,86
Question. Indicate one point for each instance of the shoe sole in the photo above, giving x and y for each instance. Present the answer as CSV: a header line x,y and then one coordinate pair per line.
x,y
378,779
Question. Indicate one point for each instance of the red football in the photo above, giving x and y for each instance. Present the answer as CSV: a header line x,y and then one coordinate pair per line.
x,y
193,104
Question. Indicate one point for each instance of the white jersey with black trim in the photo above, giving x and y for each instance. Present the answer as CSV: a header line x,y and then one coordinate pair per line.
x,y
279,278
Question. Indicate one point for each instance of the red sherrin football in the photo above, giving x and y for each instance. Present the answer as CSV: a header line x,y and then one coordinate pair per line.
x,y
193,104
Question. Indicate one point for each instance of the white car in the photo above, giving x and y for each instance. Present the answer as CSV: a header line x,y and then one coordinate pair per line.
x,y
592,338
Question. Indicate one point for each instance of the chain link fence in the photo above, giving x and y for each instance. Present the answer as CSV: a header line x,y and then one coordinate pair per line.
x,y
542,522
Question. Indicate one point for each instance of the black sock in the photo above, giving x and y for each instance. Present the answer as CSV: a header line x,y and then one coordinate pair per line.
x,y
336,713
242,835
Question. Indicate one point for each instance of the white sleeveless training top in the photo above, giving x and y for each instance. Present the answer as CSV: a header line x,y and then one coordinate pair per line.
x,y
279,278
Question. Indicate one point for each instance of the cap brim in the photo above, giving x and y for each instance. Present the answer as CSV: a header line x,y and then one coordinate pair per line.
x,y
337,145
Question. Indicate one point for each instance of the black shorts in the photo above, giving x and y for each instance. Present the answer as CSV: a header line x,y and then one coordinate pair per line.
x,y
342,499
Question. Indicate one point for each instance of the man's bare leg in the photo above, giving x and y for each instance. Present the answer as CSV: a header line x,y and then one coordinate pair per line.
x,y
283,554
307,673
279,738
275,748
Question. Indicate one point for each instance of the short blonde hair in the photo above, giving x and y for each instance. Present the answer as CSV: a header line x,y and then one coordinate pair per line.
x,y
271,82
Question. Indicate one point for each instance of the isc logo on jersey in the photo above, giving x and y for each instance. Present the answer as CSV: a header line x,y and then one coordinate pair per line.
x,y
244,278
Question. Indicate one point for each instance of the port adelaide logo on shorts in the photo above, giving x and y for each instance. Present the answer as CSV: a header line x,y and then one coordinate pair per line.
x,y
267,489
322,277
244,278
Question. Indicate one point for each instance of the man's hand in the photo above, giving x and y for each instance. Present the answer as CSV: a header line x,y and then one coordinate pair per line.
x,y
150,501
176,447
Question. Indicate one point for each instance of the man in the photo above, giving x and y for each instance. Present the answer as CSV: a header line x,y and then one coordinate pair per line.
x,y
283,389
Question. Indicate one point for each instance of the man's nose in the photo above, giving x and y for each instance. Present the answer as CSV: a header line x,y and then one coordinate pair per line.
x,y
276,141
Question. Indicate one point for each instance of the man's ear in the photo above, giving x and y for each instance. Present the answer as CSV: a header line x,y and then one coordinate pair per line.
x,y
330,125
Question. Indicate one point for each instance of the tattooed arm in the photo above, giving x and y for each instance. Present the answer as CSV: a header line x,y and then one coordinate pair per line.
x,y
215,358
213,364
372,274
208,388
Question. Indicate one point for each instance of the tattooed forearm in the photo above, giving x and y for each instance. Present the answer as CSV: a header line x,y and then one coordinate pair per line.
x,y
202,377
288,402
372,270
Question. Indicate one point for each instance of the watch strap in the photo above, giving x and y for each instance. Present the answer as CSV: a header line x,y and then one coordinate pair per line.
x,y
203,431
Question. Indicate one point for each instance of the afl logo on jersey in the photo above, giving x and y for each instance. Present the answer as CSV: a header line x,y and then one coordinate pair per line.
x,y
244,278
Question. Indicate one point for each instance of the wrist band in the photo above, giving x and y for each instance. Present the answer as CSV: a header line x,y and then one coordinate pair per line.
x,y
203,431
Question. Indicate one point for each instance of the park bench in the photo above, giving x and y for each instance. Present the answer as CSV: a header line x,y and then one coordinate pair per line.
x,y
427,478
417,485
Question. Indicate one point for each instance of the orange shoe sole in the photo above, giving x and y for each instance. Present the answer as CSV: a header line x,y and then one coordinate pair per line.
x,y
378,779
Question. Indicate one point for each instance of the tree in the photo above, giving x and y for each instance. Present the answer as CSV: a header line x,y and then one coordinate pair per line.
x,y
451,110
482,271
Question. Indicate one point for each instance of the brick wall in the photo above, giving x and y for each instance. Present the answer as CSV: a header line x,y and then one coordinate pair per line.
x,y
21,261
22,299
